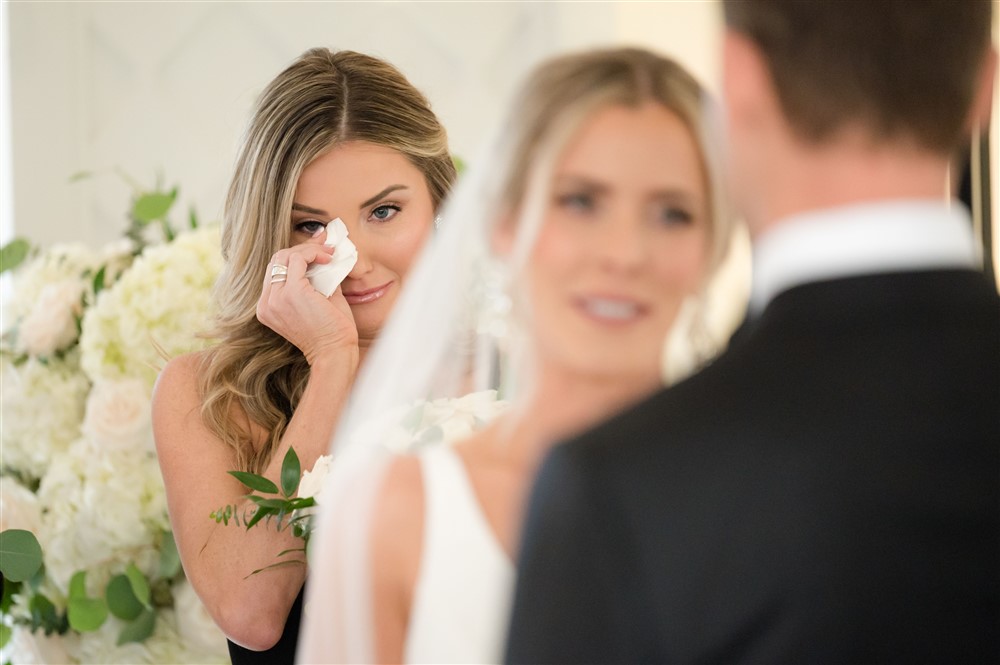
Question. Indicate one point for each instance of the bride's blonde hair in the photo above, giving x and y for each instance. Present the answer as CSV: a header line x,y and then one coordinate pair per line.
x,y
564,91
254,376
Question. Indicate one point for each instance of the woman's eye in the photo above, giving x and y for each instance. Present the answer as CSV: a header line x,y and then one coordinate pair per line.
x,y
577,201
309,226
384,213
671,215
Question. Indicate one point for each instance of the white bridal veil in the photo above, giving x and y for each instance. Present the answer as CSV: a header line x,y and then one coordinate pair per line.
x,y
449,334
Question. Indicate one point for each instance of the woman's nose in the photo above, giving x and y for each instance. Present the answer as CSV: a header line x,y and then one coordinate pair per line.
x,y
364,263
623,246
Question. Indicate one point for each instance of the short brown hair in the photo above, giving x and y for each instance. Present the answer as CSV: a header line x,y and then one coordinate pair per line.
x,y
901,69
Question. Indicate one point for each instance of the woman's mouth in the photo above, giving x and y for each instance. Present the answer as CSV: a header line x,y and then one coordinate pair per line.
x,y
366,296
610,310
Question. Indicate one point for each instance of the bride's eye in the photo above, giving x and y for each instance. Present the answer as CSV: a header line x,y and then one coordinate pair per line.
x,y
671,215
309,226
577,201
384,212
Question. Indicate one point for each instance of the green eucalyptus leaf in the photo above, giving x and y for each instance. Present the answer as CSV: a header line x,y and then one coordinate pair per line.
x,y
78,585
87,614
151,207
5,634
81,175
170,558
280,564
291,473
44,614
10,587
274,504
140,585
139,628
99,280
259,515
20,554
255,482
13,254
301,502
122,602
192,218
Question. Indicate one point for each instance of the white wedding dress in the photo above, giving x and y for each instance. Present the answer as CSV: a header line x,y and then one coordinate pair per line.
x,y
465,580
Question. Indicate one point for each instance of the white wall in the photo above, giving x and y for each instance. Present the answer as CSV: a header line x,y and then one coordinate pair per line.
x,y
166,88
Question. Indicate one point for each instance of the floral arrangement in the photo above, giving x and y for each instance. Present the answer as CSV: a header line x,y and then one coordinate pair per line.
x,y
91,572
443,421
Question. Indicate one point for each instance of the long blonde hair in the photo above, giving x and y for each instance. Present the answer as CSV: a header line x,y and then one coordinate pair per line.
x,y
254,376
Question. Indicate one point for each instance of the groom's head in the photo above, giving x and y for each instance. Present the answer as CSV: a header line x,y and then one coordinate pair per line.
x,y
890,72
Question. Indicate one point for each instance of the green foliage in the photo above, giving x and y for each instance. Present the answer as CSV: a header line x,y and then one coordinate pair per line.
x,y
122,601
291,473
20,554
255,482
5,634
283,508
140,585
85,614
138,629
170,558
13,254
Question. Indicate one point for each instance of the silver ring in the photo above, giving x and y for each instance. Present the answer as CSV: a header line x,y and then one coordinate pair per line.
x,y
278,269
277,279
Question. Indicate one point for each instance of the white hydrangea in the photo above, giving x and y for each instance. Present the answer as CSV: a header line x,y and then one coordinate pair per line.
x,y
28,648
18,506
154,310
165,645
59,263
195,624
42,405
101,510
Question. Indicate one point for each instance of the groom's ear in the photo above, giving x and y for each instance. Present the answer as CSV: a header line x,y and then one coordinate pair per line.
x,y
982,103
749,95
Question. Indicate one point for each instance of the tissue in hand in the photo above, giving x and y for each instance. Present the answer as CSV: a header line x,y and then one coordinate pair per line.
x,y
326,277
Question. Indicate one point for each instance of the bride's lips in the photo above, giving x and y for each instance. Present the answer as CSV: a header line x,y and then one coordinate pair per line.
x,y
366,296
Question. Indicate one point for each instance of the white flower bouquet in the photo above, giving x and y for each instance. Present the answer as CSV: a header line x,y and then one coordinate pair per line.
x,y
91,573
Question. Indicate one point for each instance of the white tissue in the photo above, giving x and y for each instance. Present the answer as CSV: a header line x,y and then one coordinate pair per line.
x,y
326,277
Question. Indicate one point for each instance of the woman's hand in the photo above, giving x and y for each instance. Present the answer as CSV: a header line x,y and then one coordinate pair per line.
x,y
320,327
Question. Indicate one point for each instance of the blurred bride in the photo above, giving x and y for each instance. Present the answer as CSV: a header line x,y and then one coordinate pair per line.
x,y
560,267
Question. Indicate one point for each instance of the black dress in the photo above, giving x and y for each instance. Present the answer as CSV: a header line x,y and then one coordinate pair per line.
x,y
282,652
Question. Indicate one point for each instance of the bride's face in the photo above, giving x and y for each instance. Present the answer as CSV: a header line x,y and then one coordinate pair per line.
x,y
383,200
623,242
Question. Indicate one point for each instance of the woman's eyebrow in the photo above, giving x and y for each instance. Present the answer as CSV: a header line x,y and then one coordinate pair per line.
x,y
384,192
311,211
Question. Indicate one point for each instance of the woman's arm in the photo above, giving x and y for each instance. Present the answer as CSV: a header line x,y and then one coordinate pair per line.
x,y
217,558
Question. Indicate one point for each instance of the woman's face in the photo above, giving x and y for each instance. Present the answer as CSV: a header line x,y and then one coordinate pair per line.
x,y
622,243
383,200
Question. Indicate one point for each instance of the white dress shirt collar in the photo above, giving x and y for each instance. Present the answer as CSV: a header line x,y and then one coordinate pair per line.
x,y
886,236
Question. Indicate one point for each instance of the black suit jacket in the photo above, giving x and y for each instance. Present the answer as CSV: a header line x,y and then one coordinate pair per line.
x,y
827,491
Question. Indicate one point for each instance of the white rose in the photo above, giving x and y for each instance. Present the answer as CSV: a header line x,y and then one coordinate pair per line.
x,y
313,481
18,506
118,415
51,323
194,623
30,648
